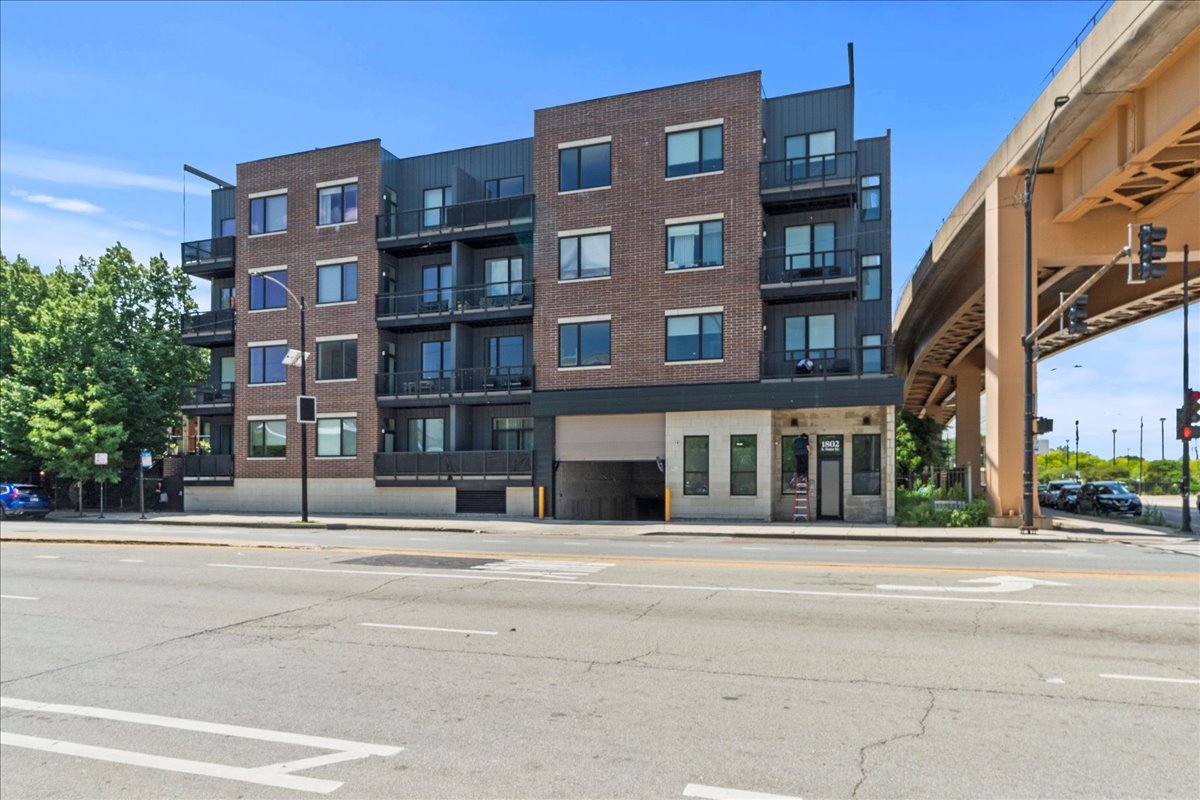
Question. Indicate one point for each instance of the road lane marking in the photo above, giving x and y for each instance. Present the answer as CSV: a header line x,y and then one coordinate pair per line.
x,y
721,793
465,576
852,550
17,597
747,547
998,583
422,628
661,545
131,561
47,556
1149,678
418,539
543,568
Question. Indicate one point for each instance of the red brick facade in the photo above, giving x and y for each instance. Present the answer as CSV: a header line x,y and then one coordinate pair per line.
x,y
636,206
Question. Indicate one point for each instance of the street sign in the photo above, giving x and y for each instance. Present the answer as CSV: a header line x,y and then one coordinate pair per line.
x,y
306,409
101,459
147,459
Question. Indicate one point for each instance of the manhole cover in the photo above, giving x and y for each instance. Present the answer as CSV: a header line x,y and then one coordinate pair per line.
x,y
421,562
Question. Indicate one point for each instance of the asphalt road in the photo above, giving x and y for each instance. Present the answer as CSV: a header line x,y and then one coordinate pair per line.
x,y
458,666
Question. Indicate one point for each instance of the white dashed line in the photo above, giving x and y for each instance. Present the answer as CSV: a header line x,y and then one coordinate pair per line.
x,y
17,597
131,561
721,793
422,628
755,548
1149,678
46,556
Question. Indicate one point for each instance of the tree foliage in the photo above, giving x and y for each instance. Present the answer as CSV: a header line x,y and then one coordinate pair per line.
x,y
1158,477
918,444
93,362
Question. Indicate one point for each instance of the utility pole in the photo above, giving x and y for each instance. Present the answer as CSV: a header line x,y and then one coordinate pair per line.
x,y
1141,424
1186,483
1076,448
1114,430
1162,432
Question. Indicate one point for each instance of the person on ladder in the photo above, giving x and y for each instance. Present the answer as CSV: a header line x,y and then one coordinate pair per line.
x,y
801,450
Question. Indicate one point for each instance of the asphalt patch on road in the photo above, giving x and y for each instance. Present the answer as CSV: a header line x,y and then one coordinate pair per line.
x,y
420,562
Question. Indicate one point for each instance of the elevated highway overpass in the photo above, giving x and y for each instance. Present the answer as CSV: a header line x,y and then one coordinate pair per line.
x,y
1124,150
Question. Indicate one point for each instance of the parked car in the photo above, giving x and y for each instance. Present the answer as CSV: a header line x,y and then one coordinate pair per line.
x,y
1068,498
1050,499
23,500
1109,497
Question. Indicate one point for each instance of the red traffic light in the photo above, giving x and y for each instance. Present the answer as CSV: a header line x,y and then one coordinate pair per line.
x,y
1187,433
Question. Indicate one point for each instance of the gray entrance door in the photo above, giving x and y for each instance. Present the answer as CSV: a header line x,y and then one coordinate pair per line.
x,y
831,488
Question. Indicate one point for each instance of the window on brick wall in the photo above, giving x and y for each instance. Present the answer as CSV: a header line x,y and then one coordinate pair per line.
x,y
696,244
337,437
695,151
695,337
337,360
265,291
587,256
266,364
587,167
268,438
337,283
337,204
268,214
585,344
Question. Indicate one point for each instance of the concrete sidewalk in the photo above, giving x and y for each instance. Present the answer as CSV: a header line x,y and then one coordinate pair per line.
x,y
1065,529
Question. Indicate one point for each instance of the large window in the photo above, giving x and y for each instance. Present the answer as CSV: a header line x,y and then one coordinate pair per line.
x,y
266,364
695,465
870,197
584,344
512,433
584,256
694,151
337,360
865,478
505,351
587,167
696,244
436,359
268,214
336,204
265,292
434,203
427,435
743,465
504,187
872,278
437,287
810,155
337,283
337,437
228,226
695,337
268,438
810,246
813,336
504,276
872,353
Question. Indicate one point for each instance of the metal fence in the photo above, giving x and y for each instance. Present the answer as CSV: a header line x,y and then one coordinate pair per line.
x,y
494,213
455,300
454,464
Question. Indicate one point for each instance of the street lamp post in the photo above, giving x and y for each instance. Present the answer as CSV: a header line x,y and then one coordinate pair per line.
x,y
303,387
1162,433
1030,180
1076,448
1114,430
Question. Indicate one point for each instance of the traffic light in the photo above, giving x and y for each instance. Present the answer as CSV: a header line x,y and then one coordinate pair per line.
x,y
1194,407
1187,419
1077,316
1045,425
1150,253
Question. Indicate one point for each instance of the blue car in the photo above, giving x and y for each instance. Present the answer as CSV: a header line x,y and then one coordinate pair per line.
x,y
23,500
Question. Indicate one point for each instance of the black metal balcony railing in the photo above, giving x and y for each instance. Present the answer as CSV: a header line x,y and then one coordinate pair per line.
x,y
208,324
455,300
826,362
208,467
448,382
806,173
780,267
207,250
454,464
206,394
495,213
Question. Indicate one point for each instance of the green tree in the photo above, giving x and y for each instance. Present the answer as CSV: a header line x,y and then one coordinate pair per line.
x,y
919,444
22,290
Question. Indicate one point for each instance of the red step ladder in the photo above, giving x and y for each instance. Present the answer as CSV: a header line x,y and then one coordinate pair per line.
x,y
801,511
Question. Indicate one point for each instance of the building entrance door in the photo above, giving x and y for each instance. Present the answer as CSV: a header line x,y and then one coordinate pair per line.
x,y
829,477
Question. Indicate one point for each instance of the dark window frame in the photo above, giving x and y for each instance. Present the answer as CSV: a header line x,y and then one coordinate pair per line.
x,y
874,477
233,226
866,189
420,425
260,449
700,250
565,328
699,170
280,350
808,348
341,282
578,168
699,334
492,349
512,286
261,203
265,286
876,348
578,240
864,268
753,472
524,434
827,161
341,437
345,363
492,187
341,189
817,259
693,471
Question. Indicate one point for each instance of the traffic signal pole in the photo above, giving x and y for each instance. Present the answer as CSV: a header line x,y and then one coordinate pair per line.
x,y
1186,483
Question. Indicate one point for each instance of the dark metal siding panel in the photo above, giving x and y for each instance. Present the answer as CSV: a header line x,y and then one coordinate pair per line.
x,y
843,219
479,337
809,112
845,326
224,206
403,415
465,170
408,347
875,236
480,501
482,416
543,458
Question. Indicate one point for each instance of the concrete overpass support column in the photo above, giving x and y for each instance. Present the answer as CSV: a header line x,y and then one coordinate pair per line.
x,y
1004,288
968,446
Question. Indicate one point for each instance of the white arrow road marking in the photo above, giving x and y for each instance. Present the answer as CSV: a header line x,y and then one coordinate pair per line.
x,y
721,793
16,597
1149,678
423,628
999,583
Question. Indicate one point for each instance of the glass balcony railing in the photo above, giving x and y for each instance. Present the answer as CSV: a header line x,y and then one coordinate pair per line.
x,y
199,396
807,173
452,382
208,325
455,300
203,253
498,212
816,363
454,464
777,266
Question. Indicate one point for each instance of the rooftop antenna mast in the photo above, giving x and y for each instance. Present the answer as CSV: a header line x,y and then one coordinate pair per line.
x,y
850,56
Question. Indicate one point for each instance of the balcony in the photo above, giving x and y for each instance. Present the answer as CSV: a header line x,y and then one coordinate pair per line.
x,y
826,364
486,222
205,399
208,328
209,258
784,275
208,470
473,385
800,184
407,469
484,302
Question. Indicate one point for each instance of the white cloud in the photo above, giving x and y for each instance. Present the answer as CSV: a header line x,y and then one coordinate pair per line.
x,y
79,170
45,239
60,203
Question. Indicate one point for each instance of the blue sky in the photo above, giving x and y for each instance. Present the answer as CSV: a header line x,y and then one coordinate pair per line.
x,y
104,102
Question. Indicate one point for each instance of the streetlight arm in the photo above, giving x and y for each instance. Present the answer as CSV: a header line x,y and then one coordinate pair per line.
x,y
282,285
1031,175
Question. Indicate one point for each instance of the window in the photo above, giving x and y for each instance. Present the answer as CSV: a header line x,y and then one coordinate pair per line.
x,y
810,246
810,155
872,353
337,283
694,337
337,437
584,256
437,287
229,226
872,278
695,465
813,336
268,438
505,351
743,465
434,203
266,364
268,214
337,204
228,370
694,151
504,276
436,359
504,187
696,244
265,292
871,197
337,360
584,344
512,433
787,465
427,435
224,300
865,478
588,167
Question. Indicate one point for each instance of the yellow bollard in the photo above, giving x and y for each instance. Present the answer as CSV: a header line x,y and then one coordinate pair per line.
x,y
541,502
667,506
